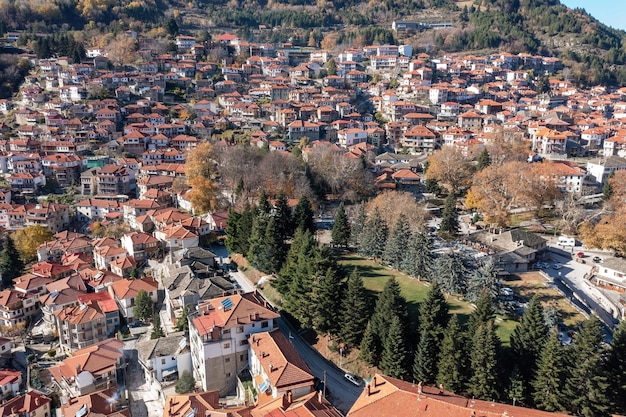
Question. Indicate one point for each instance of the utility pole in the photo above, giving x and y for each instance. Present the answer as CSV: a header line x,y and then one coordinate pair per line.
x,y
324,391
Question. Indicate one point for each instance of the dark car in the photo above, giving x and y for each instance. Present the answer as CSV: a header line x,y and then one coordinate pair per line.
x,y
597,259
136,323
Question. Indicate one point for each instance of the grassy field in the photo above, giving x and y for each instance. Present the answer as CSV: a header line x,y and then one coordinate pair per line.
x,y
530,283
375,276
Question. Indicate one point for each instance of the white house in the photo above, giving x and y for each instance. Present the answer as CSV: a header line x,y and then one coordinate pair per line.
x,y
349,137
599,169
218,336
10,382
125,291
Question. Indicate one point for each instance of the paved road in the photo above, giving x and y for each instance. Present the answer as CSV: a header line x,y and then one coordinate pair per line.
x,y
572,274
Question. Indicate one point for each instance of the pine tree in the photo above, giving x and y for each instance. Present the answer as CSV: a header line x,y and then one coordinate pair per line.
x,y
303,215
11,264
483,383
396,249
257,240
449,218
484,160
272,254
434,313
586,385
549,382
282,214
390,303
483,278
358,227
245,229
374,238
425,363
452,366
302,249
299,300
355,311
607,188
157,330
483,314
528,339
368,347
516,391
393,360
420,258
328,296
341,228
617,369
186,383
263,207
450,273
233,233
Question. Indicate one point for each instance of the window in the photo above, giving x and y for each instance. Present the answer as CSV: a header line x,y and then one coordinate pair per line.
x,y
226,331
240,329
227,374
227,360
162,361
243,342
264,324
226,345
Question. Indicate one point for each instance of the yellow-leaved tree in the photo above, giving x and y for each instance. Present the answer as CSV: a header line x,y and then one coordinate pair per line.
x,y
201,174
28,239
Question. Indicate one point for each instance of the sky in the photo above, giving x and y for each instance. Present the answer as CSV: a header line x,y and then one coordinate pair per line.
x,y
609,12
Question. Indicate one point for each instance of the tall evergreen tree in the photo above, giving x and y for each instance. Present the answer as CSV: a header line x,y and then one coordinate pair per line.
x,y
328,297
157,330
393,360
483,314
303,215
485,277
396,249
450,273
302,249
263,206
420,258
549,382
449,218
355,311
244,229
484,160
341,228
516,391
282,213
368,347
452,366
390,303
586,386
483,383
233,233
528,339
374,238
434,313
358,227
257,240
617,369
270,255
11,264
425,363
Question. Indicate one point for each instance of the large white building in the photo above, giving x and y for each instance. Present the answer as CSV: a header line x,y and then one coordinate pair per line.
x,y
218,337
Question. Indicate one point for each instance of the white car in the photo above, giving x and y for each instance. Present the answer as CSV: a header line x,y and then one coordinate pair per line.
x,y
355,379
557,266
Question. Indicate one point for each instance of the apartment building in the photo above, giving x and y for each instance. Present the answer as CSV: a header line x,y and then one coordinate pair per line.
x,y
54,216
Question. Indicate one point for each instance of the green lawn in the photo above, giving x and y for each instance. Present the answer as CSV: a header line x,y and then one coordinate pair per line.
x,y
375,276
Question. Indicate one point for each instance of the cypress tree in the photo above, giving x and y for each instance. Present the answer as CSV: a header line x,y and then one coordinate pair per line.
x,y
328,298
452,366
11,264
358,227
425,363
617,369
157,330
341,228
450,273
483,383
420,258
355,311
393,360
547,387
586,385
374,238
484,160
449,218
528,339
396,248
303,215
233,234
263,207
301,250
368,347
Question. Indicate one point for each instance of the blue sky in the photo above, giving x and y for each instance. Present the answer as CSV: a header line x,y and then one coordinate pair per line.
x,y
610,12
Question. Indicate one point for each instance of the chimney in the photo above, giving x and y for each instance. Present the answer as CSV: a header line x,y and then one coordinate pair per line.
x,y
79,368
367,393
440,389
112,407
374,381
271,367
289,396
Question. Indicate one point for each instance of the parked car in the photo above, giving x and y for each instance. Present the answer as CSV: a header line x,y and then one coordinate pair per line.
x,y
597,259
580,255
136,323
557,266
355,379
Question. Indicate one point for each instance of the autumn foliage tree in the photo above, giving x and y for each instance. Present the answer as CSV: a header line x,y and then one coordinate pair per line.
x,y
450,168
28,239
201,173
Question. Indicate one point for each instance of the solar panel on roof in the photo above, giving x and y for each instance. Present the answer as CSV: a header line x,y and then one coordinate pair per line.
x,y
227,303
264,386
